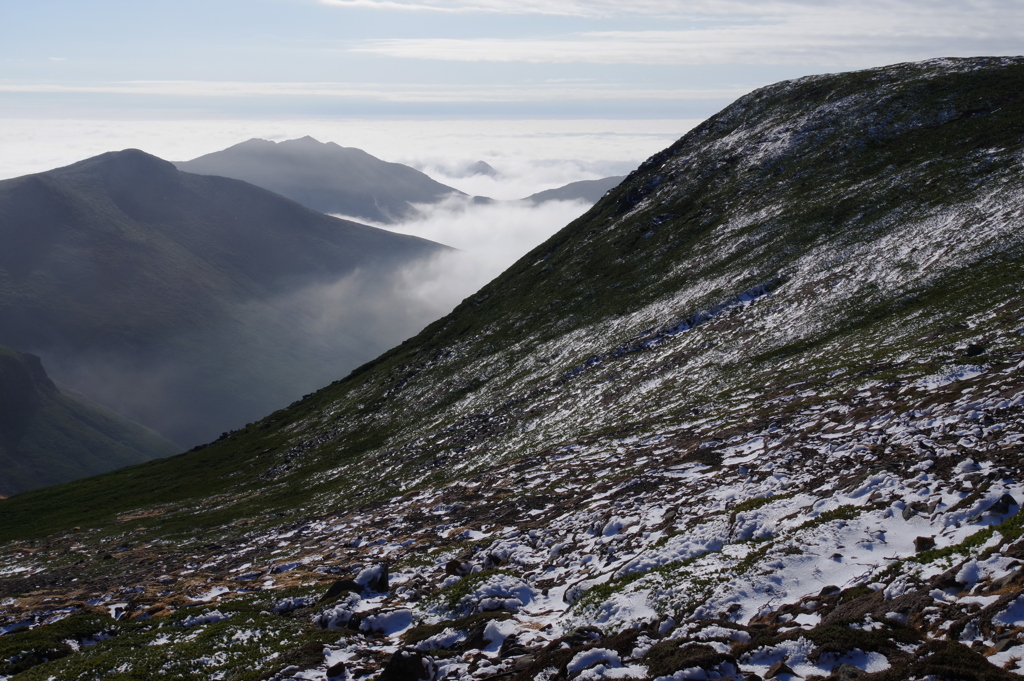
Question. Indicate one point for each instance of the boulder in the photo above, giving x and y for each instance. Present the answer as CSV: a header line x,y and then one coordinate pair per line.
x,y
340,587
1002,505
408,665
846,672
1004,644
380,584
457,568
511,647
778,669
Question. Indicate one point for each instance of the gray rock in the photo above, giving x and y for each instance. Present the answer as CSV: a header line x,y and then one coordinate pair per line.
x,y
778,669
845,672
924,543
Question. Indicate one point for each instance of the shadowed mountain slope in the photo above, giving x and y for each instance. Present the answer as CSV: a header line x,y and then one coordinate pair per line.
x,y
325,177
48,436
759,411
161,293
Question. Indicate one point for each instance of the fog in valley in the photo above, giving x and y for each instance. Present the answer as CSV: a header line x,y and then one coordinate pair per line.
x,y
258,355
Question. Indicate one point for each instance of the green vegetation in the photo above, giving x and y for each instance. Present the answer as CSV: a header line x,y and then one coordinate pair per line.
x,y
755,503
844,512
1010,529
451,596
855,592
668,657
840,638
247,645
599,593
751,559
25,649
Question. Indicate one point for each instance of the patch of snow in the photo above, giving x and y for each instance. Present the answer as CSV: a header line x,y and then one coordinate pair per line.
x,y
208,617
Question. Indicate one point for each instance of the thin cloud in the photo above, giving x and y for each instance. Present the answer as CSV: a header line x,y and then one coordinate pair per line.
x,y
976,12
747,45
574,8
408,93
777,33
457,7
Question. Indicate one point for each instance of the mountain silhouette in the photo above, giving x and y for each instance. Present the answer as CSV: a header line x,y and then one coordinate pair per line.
x,y
590,191
175,298
325,177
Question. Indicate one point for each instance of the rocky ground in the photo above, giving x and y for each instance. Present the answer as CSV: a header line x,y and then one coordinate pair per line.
x,y
873,535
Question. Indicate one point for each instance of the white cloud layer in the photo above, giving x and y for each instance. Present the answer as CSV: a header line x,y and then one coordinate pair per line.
x,y
490,237
532,155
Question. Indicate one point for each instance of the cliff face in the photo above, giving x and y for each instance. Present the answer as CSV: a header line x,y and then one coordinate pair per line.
x,y
48,437
22,380
760,411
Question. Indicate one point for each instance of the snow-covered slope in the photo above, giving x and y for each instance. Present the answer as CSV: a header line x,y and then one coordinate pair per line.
x,y
759,412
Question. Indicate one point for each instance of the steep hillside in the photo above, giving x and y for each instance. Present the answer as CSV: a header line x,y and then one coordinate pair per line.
x,y
177,299
759,411
48,436
325,177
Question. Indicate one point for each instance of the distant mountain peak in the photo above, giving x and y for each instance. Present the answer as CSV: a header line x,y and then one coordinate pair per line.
x,y
306,141
125,167
326,177
255,142
481,168
126,157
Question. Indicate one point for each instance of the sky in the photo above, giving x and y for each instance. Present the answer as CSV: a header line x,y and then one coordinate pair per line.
x,y
459,58
452,60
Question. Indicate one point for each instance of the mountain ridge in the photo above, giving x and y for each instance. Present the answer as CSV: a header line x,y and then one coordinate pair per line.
x,y
590,191
325,177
